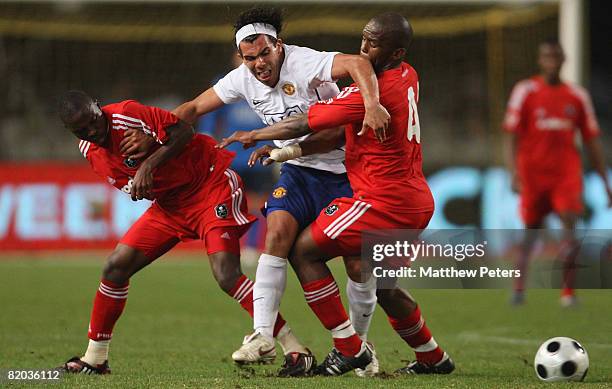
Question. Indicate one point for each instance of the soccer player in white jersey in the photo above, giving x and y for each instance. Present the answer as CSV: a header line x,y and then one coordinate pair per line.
x,y
279,80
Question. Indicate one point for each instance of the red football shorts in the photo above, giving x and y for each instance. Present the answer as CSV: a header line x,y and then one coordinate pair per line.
x,y
217,214
338,229
561,196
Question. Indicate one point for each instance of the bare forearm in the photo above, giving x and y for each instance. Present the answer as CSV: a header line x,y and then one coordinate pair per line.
x,y
323,141
290,128
179,136
206,102
363,74
187,112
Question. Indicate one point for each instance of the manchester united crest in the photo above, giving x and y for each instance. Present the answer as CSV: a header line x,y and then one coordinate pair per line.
x,y
279,192
221,211
330,210
289,89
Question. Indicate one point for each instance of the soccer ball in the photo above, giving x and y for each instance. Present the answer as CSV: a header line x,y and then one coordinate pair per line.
x,y
561,359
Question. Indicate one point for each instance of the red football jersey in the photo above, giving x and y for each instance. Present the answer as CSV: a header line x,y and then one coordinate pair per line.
x,y
178,178
545,119
390,172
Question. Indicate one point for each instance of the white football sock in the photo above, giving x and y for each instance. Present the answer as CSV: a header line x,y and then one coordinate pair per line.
x,y
270,282
97,352
362,302
289,342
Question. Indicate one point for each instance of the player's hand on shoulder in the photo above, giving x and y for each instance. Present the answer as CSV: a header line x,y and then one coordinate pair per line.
x,y
262,155
136,144
377,119
244,137
142,186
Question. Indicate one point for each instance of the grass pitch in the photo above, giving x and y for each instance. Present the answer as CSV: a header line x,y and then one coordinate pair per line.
x,y
179,329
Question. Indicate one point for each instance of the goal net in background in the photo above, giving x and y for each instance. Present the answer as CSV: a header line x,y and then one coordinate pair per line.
x,y
468,56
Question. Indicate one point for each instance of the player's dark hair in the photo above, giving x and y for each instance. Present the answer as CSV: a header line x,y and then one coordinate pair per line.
x,y
268,15
72,103
552,41
397,27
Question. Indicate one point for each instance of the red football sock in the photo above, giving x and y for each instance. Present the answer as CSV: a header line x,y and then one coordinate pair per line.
x,y
414,332
323,297
243,293
107,307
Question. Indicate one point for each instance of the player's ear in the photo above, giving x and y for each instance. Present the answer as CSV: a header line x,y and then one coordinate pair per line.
x,y
398,54
279,42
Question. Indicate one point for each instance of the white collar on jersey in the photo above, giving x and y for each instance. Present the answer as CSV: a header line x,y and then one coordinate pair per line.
x,y
253,29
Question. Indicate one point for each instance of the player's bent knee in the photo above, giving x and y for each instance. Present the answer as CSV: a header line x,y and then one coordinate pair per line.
x,y
282,229
305,251
226,269
396,299
278,242
353,268
119,265
383,295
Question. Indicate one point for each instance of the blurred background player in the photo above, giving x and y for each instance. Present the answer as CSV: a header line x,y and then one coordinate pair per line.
x,y
196,196
278,81
542,119
390,192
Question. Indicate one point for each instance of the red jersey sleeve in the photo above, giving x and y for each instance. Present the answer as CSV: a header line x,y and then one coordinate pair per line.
x,y
345,108
587,121
515,117
151,120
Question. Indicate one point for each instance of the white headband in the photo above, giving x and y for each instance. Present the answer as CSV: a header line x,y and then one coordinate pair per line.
x,y
255,28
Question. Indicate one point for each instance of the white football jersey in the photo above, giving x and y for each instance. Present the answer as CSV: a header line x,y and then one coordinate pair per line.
x,y
305,78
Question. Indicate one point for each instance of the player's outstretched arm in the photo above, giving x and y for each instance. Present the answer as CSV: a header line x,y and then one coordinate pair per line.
x,y
319,142
323,141
289,128
596,155
179,135
362,72
136,144
206,102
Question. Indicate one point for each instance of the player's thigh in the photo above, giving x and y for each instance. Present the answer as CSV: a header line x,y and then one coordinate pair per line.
x,y
302,193
124,262
153,234
223,249
281,231
223,206
566,201
338,228
356,269
306,253
534,206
